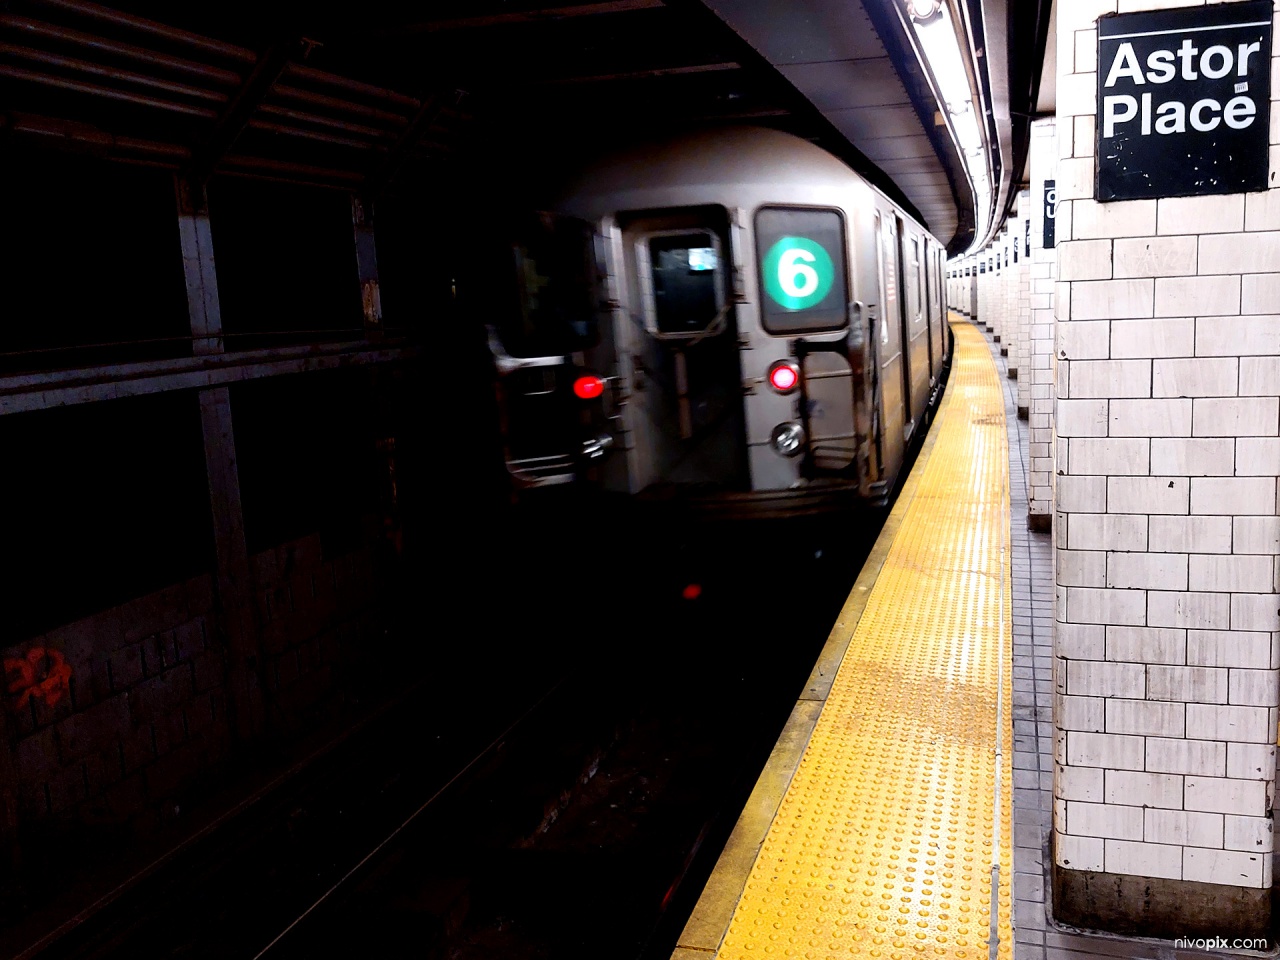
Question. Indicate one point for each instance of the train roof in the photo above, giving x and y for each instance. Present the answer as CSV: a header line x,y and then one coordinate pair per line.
x,y
711,162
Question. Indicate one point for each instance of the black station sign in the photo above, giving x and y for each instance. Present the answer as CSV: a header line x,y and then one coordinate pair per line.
x,y
1184,99
1050,212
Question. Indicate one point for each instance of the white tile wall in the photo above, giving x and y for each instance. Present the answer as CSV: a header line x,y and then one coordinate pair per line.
x,y
1184,534
1153,338
1041,358
1229,648
1178,827
1256,535
1175,754
1079,783
1164,384
1155,257
1251,834
1223,866
1250,761
1146,644
1200,377
1104,820
1196,296
1020,349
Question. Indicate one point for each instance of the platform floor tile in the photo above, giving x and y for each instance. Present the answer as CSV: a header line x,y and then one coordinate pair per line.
x,y
884,842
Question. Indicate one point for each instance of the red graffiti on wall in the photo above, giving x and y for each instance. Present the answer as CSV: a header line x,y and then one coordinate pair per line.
x,y
42,673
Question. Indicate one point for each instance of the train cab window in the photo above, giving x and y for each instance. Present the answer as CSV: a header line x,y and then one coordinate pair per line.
x,y
684,288
803,275
550,308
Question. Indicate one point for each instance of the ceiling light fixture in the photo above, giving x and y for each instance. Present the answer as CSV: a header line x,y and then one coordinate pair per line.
x,y
939,45
924,10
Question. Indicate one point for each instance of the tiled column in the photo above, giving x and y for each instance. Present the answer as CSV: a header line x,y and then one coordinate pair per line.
x,y
1042,360
1021,363
1002,291
980,271
973,297
986,276
1008,305
1167,639
1001,286
994,275
1013,329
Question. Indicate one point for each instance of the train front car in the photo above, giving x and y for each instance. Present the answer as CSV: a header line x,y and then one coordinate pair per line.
x,y
770,331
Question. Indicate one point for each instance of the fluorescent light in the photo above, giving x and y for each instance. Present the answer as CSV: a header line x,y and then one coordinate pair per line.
x,y
966,127
940,46
938,40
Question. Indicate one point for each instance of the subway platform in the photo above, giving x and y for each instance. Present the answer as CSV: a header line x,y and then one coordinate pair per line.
x,y
906,808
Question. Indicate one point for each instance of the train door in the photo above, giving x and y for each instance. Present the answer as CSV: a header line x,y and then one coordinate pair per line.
x,y
915,360
893,379
929,277
940,334
677,328
917,331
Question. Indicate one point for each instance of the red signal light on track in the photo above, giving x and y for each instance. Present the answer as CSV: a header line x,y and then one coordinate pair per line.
x,y
784,376
588,387
692,591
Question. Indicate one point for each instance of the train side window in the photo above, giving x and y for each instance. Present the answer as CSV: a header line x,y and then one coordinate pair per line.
x,y
803,269
684,282
917,292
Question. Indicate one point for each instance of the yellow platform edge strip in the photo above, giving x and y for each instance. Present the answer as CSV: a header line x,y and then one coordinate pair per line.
x,y
872,829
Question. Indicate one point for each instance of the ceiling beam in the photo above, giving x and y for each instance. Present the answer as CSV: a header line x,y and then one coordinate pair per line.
x,y
530,16
235,117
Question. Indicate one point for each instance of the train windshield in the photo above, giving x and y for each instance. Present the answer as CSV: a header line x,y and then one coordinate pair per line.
x,y
554,289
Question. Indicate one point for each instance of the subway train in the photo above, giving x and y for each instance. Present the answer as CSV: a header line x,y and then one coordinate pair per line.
x,y
732,319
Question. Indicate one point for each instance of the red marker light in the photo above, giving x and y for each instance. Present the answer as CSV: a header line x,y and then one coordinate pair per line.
x,y
692,592
784,376
588,388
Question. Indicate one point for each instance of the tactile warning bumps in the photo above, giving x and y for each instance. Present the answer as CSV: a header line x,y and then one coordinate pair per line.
x,y
882,846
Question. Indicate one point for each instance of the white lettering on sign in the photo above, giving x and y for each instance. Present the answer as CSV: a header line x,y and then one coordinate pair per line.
x,y
1214,63
1171,116
789,271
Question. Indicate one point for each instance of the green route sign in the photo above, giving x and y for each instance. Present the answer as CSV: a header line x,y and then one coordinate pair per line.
x,y
802,269
798,273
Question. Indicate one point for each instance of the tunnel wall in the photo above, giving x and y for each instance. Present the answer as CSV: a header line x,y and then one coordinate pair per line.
x,y
206,571
122,717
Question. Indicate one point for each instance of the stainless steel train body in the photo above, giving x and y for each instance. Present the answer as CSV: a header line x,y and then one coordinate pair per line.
x,y
770,330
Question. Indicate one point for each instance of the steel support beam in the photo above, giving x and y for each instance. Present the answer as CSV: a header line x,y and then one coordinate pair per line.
x,y
235,588
62,388
270,66
422,121
198,267
367,267
236,606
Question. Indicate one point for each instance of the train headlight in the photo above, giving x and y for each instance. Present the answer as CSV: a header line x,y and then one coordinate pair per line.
x,y
784,376
788,439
